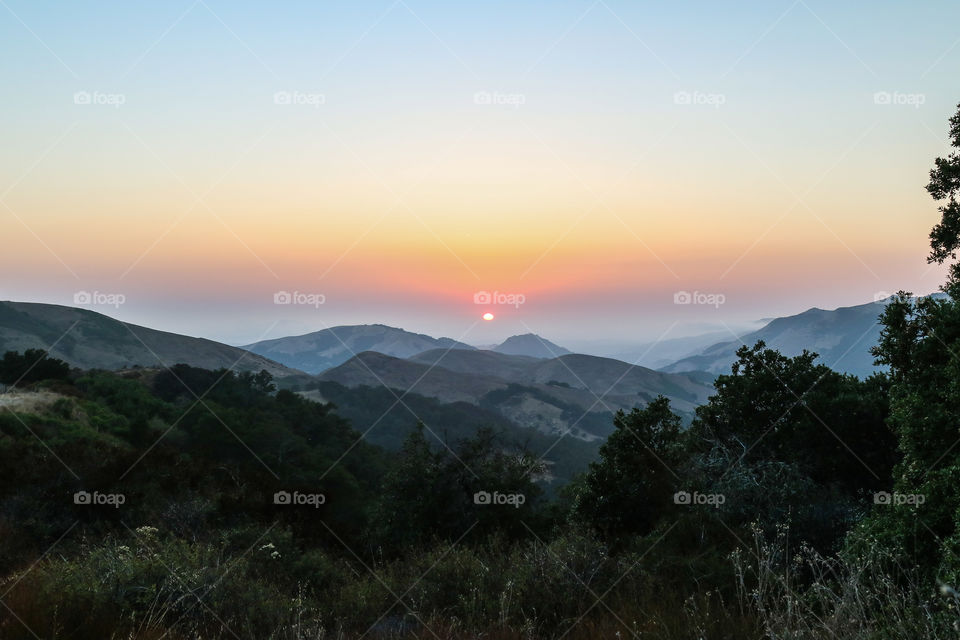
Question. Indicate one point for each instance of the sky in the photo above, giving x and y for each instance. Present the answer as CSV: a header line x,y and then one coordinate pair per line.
x,y
594,169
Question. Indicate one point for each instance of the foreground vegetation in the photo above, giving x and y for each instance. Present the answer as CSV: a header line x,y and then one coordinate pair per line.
x,y
801,503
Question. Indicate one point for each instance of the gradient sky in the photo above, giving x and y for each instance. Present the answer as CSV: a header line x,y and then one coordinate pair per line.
x,y
587,184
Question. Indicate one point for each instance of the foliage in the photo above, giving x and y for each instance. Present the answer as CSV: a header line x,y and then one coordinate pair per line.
x,y
30,366
388,423
920,342
632,485
944,186
445,495
797,411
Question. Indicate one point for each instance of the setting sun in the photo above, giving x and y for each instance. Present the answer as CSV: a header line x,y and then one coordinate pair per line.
x,y
488,316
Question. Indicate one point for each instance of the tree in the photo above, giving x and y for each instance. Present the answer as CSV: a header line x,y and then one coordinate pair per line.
x,y
33,365
944,185
797,411
438,493
631,487
920,341
790,440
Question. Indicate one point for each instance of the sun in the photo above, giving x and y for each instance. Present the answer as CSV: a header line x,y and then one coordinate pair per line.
x,y
488,316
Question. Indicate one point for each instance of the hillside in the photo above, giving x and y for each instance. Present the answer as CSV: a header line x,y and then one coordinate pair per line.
x,y
320,350
387,423
549,395
96,341
530,344
843,338
596,375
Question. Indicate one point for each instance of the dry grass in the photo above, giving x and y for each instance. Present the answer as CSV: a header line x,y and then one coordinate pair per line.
x,y
801,594
29,401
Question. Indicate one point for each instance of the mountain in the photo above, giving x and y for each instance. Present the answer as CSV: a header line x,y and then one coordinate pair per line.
x,y
387,423
318,351
843,338
573,394
603,377
374,369
658,354
676,343
91,340
530,344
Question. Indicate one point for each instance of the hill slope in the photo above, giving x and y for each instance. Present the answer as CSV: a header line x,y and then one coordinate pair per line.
x,y
385,422
603,377
315,352
842,337
552,396
530,344
101,342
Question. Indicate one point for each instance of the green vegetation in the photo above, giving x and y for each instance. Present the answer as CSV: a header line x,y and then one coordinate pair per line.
x,y
31,366
182,532
800,503
387,423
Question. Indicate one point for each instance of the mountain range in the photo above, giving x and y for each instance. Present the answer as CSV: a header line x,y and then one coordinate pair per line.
x,y
320,350
570,393
527,380
842,337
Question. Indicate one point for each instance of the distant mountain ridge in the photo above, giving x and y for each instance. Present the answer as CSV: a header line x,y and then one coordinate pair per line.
x,y
97,341
843,338
656,354
530,344
318,351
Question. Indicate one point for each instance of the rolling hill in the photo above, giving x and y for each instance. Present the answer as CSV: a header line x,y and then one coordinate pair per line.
x,y
551,395
530,344
843,338
598,376
385,422
96,341
320,350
